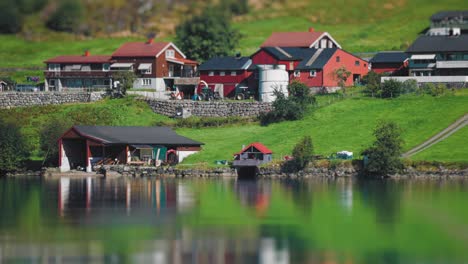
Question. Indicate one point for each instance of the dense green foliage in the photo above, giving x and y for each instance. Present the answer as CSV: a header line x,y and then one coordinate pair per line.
x,y
383,157
341,75
372,84
13,150
236,7
393,88
207,35
293,107
390,89
11,20
48,136
67,17
126,79
303,154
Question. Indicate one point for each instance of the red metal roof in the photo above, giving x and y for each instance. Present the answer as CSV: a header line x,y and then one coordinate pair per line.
x,y
259,146
140,49
80,59
292,39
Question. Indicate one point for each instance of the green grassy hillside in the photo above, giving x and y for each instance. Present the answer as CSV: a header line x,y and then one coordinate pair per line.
x,y
451,149
343,125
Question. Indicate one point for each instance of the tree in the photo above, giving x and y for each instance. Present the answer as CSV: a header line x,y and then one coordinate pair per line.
x,y
303,154
126,80
67,17
207,35
31,6
13,150
49,135
341,76
383,157
372,81
11,20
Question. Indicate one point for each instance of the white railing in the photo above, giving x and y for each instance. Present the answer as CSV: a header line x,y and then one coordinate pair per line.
x,y
151,95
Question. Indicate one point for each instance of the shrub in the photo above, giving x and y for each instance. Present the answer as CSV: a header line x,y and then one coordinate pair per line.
x,y
383,157
434,89
372,82
390,89
341,75
303,154
126,79
409,86
49,135
236,7
11,20
67,17
13,150
300,93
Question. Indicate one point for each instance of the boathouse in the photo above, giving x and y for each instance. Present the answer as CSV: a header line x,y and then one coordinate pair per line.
x,y
253,155
85,146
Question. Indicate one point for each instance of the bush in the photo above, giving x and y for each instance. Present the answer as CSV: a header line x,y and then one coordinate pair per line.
x,y
372,82
236,7
49,135
409,86
390,89
67,17
383,157
13,150
11,20
434,89
300,93
303,154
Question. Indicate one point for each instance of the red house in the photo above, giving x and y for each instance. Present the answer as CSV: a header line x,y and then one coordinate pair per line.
x,y
158,65
314,67
390,62
230,72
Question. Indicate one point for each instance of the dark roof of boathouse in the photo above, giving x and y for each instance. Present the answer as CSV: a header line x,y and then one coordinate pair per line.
x,y
114,135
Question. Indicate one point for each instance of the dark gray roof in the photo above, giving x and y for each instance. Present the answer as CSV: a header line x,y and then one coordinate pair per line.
x,y
439,44
389,57
448,14
226,63
309,58
135,135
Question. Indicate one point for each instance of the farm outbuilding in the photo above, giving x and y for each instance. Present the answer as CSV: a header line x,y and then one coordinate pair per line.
x,y
253,155
85,146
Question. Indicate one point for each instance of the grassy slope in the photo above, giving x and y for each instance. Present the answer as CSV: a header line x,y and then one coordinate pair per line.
x,y
453,148
345,125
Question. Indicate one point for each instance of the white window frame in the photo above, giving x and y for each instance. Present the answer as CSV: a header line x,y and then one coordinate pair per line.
x,y
312,73
55,67
104,67
222,73
233,73
170,53
148,71
297,73
357,63
211,73
146,82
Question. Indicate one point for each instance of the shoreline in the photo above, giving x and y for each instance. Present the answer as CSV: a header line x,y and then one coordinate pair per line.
x,y
115,171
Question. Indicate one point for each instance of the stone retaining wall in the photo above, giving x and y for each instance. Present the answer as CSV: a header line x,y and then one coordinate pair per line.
x,y
209,109
25,99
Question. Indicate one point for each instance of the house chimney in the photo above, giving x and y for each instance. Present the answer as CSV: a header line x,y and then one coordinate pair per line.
x,y
150,41
86,53
311,29
238,55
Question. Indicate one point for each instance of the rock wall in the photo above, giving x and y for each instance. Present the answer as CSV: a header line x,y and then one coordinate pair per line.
x,y
25,99
209,109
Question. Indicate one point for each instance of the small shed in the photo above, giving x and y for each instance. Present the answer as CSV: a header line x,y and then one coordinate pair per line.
x,y
85,146
253,155
3,86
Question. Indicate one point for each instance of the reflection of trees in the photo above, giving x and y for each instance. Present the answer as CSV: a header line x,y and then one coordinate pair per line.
x,y
385,197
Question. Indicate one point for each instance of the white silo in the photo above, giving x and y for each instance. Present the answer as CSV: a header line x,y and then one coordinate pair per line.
x,y
271,78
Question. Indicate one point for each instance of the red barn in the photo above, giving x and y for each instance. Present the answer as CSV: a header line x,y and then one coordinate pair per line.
x,y
314,67
231,72
390,62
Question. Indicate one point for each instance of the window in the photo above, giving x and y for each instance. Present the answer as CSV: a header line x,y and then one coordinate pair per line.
x,y
222,73
52,83
146,82
338,59
365,65
233,73
211,73
356,63
312,73
54,67
105,67
297,73
170,53
147,71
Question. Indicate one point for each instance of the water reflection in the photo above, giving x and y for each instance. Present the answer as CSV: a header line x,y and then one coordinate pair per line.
x,y
228,221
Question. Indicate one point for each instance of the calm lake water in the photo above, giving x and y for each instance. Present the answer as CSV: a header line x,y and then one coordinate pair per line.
x,y
229,221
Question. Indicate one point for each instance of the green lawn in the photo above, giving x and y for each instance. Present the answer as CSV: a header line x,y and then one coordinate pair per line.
x,y
344,125
451,149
